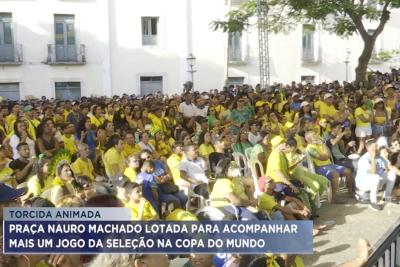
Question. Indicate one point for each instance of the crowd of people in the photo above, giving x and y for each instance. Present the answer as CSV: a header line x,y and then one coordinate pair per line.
x,y
169,157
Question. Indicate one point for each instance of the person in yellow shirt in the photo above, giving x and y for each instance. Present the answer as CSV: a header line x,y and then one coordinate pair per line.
x,y
321,157
327,110
162,148
114,162
83,166
12,117
97,118
133,166
6,173
130,148
110,112
68,138
228,191
157,120
205,145
173,162
363,116
141,209
294,209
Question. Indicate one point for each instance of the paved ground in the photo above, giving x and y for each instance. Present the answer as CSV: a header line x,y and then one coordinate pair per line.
x,y
354,221
339,244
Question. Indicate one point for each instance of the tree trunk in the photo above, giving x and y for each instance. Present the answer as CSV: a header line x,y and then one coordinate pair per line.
x,y
363,60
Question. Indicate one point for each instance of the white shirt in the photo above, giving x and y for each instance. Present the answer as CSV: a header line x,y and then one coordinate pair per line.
x,y
201,111
194,169
187,110
144,146
14,141
254,139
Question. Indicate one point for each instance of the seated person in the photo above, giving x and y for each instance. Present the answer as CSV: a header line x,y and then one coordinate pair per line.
x,y
373,173
193,171
133,167
158,186
83,165
321,158
228,192
23,165
242,142
268,201
218,154
141,209
335,142
315,183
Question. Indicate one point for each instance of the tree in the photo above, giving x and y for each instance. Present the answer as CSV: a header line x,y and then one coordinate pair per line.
x,y
342,17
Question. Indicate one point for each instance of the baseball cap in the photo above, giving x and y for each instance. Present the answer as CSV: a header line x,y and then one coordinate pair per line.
x,y
276,141
295,94
8,193
304,103
378,100
28,108
328,95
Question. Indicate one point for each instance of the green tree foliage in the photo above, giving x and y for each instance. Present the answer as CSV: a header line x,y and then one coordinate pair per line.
x,y
341,17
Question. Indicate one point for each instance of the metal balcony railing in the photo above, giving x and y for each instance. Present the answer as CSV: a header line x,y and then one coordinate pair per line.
x,y
11,54
66,54
310,56
386,252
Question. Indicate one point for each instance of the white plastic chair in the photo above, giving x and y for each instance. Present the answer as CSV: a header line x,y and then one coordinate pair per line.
x,y
241,161
311,168
247,152
254,165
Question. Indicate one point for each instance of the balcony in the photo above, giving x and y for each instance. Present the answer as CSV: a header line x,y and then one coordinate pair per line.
x,y
66,54
11,54
311,56
235,56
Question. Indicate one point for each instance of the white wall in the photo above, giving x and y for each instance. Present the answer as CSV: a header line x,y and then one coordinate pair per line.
x,y
33,25
286,54
111,31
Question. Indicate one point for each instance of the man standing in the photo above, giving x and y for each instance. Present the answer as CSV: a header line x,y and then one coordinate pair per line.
x,y
372,173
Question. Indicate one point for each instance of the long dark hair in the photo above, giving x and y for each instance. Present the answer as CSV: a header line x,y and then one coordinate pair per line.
x,y
81,126
16,128
40,128
112,141
39,168
221,170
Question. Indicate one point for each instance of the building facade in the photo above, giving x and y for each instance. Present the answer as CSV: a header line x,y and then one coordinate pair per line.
x,y
67,48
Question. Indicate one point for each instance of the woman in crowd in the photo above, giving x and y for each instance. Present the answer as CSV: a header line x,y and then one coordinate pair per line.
x,y
62,183
46,142
363,116
381,119
21,135
114,162
205,145
242,142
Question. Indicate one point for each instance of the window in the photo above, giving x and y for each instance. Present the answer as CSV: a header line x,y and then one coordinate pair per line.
x,y
151,84
6,39
235,46
10,91
308,43
149,30
65,43
308,79
235,80
68,90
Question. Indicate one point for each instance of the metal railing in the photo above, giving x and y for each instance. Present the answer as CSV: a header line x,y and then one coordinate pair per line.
x,y
66,54
11,54
386,252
